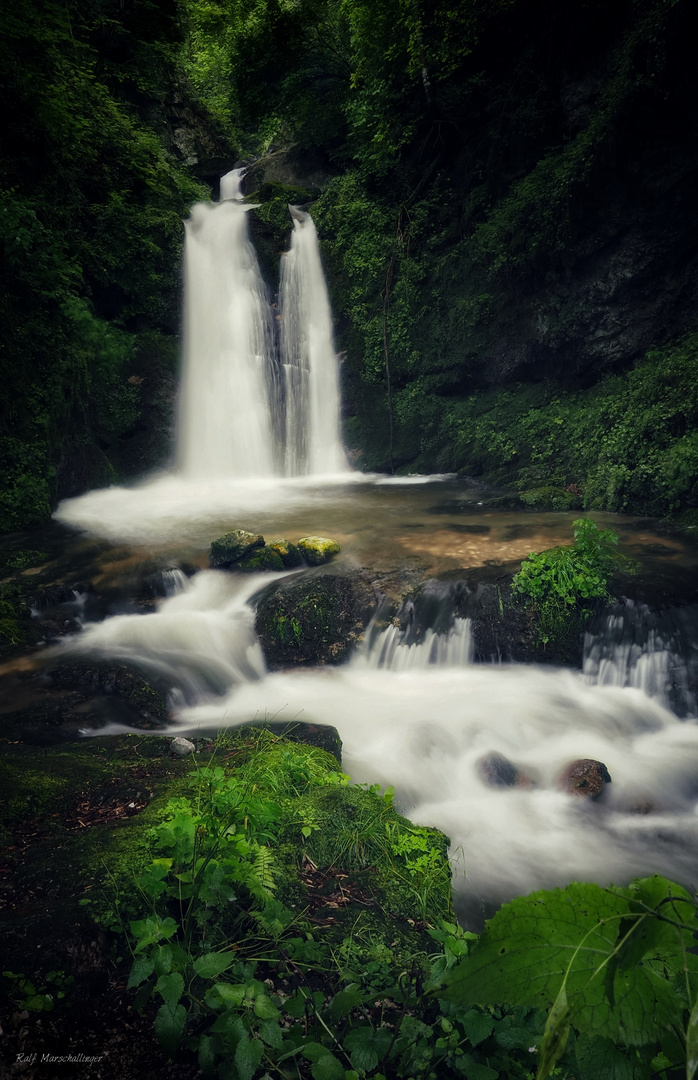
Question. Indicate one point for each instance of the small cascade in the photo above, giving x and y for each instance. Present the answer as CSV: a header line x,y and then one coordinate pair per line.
x,y
308,358
392,649
426,631
652,651
200,641
228,371
174,581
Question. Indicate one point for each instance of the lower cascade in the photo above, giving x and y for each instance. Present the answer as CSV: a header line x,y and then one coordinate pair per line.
x,y
421,716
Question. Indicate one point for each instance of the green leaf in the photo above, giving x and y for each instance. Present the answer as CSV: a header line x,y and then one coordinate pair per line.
x,y
163,956
475,1070
535,942
248,1054
692,1043
169,1026
265,1009
171,988
557,1029
327,1067
207,1056
295,1006
142,967
367,1046
477,1025
346,1000
222,993
600,1059
271,1033
212,964
151,930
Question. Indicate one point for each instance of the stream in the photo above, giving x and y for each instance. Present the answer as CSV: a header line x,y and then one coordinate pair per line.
x,y
258,449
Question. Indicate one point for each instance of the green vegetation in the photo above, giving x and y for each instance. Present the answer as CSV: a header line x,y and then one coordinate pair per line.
x,y
615,968
627,444
564,584
264,951
90,233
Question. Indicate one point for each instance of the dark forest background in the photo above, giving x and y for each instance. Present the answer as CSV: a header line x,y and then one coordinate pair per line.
x,y
505,195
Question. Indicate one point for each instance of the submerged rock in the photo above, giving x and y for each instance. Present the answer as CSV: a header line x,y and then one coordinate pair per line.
x,y
315,620
232,547
317,549
289,553
497,771
585,777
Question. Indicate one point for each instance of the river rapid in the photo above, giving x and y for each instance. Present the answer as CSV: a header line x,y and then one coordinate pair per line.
x,y
420,718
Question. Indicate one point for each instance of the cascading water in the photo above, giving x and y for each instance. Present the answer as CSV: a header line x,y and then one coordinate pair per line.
x,y
309,361
411,708
224,418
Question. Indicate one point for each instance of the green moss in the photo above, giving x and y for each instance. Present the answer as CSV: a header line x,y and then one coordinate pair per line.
x,y
260,559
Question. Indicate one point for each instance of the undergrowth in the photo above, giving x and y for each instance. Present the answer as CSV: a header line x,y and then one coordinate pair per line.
x,y
241,955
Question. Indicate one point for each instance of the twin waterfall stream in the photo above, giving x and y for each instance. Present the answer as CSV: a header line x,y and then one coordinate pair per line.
x,y
258,447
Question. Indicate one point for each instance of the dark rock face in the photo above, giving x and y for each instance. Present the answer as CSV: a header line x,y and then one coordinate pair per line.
x,y
232,547
585,778
315,620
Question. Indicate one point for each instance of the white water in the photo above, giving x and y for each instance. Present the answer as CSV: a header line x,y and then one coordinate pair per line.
x,y
308,358
410,708
423,726
224,427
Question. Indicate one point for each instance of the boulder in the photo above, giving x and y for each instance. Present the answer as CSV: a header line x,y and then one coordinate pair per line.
x,y
259,559
232,547
288,553
497,771
317,549
584,777
314,620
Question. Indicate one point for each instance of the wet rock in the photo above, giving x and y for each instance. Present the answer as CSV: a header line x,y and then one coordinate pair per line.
x,y
147,703
317,549
585,777
315,620
289,553
497,771
232,547
182,747
259,559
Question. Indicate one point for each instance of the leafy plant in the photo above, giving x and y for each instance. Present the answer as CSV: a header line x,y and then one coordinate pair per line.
x,y
616,966
38,994
571,578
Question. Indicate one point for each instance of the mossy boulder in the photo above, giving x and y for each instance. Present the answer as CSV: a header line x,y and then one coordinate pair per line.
x,y
289,553
317,550
259,559
315,620
230,548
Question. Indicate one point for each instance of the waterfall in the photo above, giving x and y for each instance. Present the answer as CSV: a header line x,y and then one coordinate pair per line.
x,y
224,408
391,648
652,651
308,358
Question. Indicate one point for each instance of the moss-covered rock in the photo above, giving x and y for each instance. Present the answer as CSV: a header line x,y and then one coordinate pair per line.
x,y
232,547
259,558
317,549
289,553
317,620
